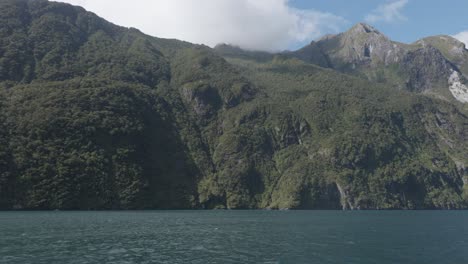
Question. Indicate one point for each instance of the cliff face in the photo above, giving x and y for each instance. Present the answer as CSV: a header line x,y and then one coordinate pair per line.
x,y
424,66
95,116
363,45
454,50
360,47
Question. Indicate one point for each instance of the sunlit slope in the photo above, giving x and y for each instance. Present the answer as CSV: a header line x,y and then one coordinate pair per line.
x,y
96,116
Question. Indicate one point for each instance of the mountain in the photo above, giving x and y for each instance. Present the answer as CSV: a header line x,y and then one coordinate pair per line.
x,y
454,50
434,65
360,46
97,116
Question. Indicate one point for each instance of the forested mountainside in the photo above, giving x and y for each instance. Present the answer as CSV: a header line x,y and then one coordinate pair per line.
x,y
96,116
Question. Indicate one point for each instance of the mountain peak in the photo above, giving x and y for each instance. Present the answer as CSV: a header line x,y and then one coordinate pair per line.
x,y
362,44
363,28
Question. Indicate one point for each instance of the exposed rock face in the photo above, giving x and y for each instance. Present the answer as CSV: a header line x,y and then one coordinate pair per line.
x,y
362,45
453,49
365,44
94,116
457,88
204,99
346,204
424,66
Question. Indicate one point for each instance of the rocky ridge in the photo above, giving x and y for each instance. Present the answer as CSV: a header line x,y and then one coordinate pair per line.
x,y
427,66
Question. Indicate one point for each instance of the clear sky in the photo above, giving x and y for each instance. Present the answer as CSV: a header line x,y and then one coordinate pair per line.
x,y
275,25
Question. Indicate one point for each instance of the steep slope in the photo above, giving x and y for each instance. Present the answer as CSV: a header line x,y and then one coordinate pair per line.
x,y
99,116
363,143
361,45
85,124
96,116
433,66
453,49
456,52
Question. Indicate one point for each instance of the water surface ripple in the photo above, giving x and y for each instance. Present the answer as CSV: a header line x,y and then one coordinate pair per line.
x,y
235,237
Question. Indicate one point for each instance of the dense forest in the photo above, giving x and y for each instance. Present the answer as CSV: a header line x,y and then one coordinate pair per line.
x,y
97,116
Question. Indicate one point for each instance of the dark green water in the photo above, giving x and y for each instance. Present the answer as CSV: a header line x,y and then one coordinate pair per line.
x,y
235,237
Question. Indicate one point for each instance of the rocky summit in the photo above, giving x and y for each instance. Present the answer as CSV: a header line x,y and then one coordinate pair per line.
x,y
429,65
97,116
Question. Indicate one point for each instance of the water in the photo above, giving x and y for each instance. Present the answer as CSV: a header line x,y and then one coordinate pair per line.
x,y
234,237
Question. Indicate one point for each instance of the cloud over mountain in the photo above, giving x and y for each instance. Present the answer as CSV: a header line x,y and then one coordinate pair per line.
x,y
463,37
251,24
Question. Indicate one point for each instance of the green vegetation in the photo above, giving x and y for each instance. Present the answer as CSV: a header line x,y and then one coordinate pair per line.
x,y
424,66
94,116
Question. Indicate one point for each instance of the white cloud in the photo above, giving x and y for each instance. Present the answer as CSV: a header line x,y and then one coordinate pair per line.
x,y
252,24
390,12
463,37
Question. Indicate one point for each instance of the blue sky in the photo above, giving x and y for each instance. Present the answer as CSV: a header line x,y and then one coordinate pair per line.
x,y
423,17
275,25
